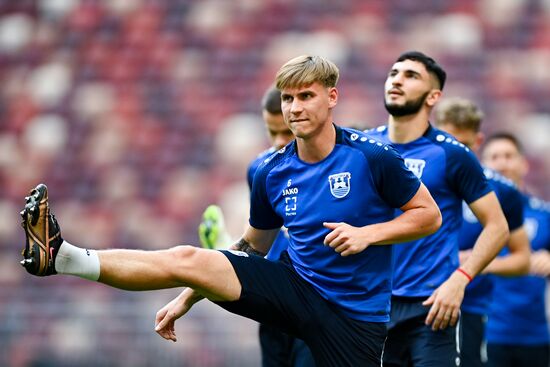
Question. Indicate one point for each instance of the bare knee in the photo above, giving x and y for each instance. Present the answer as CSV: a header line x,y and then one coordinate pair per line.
x,y
207,271
185,257
191,264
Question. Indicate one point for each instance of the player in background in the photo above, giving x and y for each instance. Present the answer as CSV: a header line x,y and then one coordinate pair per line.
x,y
517,328
462,118
333,189
278,349
428,281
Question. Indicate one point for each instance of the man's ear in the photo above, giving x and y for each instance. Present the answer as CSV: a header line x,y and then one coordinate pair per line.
x,y
332,97
480,138
433,97
524,166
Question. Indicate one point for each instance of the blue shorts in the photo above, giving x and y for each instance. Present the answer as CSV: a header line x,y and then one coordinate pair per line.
x,y
473,351
413,343
274,294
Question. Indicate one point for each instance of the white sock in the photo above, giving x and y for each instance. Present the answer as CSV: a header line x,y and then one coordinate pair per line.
x,y
77,261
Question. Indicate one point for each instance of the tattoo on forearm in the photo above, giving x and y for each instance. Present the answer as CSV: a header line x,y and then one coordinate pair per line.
x,y
244,246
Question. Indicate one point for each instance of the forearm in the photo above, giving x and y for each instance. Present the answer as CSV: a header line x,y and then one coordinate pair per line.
x,y
256,242
517,262
510,265
245,246
539,263
410,225
189,297
420,217
488,245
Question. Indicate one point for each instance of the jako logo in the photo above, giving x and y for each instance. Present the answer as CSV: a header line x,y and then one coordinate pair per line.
x,y
291,191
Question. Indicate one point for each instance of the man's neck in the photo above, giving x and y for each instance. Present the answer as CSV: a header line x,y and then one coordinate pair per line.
x,y
521,185
404,129
316,148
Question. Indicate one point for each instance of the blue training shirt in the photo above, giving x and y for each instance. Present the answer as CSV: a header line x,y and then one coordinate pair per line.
x,y
517,314
280,243
478,293
452,174
360,182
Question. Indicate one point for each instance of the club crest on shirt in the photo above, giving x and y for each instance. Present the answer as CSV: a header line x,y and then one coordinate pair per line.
x,y
531,227
416,166
340,184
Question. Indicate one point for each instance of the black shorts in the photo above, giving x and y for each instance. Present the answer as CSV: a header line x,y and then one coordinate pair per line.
x,y
412,343
473,351
274,294
283,350
504,355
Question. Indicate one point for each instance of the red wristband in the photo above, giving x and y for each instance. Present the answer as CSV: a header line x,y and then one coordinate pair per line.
x,y
460,270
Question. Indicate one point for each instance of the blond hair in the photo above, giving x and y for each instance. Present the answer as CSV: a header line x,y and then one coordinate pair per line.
x,y
305,70
459,112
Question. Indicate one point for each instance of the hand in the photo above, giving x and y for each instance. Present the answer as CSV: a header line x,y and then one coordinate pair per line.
x,y
445,302
345,239
167,316
540,263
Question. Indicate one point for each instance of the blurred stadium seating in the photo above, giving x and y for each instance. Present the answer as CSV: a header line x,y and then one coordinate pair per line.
x,y
138,114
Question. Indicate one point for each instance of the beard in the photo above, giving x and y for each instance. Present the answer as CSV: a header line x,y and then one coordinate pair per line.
x,y
409,108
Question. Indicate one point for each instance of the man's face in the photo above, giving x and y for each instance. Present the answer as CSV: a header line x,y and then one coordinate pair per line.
x,y
307,109
407,86
468,137
503,156
279,134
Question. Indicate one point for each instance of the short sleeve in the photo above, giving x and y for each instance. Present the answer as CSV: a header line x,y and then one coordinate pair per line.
x,y
395,183
465,175
262,214
250,174
512,205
